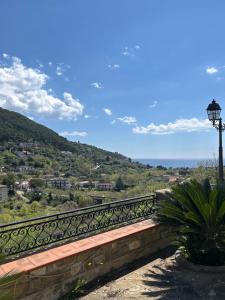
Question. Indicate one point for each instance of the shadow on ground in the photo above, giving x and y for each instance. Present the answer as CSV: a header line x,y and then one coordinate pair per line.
x,y
164,284
156,277
114,275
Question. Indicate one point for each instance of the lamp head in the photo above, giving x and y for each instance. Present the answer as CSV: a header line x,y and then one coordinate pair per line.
x,y
213,111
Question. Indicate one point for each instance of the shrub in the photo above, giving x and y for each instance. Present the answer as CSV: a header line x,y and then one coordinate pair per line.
x,y
199,213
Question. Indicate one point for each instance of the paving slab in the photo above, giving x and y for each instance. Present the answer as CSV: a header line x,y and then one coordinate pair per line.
x,y
158,278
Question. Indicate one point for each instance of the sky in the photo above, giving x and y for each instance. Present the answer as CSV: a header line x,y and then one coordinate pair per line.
x,y
129,76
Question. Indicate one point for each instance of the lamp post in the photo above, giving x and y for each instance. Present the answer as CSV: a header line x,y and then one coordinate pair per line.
x,y
213,111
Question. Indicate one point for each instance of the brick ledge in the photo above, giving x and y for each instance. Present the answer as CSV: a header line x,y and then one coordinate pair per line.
x,y
42,259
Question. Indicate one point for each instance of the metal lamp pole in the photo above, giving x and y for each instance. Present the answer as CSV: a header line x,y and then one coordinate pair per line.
x,y
220,128
213,111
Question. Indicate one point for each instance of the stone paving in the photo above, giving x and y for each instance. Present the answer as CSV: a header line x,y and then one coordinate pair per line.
x,y
158,278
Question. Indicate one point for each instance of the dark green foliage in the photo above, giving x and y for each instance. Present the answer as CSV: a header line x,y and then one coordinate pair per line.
x,y
9,180
37,183
50,198
199,212
36,195
119,184
71,196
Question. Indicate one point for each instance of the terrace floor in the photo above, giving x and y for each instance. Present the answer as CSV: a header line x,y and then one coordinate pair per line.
x,y
157,277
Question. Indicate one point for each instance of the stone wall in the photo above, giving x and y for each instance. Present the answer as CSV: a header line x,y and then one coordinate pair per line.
x,y
54,272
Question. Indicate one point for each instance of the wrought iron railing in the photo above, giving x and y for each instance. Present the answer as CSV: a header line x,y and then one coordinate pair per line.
x,y
43,232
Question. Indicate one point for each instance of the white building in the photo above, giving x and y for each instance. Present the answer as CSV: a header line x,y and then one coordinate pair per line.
x,y
3,193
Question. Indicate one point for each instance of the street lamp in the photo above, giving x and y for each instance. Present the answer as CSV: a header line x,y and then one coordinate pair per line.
x,y
213,111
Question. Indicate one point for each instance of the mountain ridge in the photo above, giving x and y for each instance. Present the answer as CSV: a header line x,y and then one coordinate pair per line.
x,y
17,128
23,129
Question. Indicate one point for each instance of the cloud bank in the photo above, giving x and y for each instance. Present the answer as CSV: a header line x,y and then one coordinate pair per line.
x,y
180,125
23,89
128,120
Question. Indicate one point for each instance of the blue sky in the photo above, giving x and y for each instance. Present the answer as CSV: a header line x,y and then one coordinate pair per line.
x,y
127,76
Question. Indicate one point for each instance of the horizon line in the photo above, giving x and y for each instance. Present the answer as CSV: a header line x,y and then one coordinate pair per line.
x,y
183,158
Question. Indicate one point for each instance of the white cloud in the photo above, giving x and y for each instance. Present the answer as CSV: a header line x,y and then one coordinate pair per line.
x,y
130,51
22,89
113,122
50,63
107,111
126,53
97,85
61,68
114,67
73,133
87,116
128,120
153,104
59,71
5,55
211,70
180,125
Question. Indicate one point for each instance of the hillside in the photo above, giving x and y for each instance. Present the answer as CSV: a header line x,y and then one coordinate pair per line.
x,y
16,128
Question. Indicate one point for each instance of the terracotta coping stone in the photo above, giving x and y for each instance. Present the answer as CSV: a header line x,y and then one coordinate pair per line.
x,y
46,257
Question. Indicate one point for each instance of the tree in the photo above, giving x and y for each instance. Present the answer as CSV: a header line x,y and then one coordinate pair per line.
x,y
108,158
160,167
50,198
36,195
9,180
206,169
37,183
71,196
119,184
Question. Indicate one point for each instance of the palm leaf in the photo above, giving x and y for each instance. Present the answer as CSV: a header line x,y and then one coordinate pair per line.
x,y
199,212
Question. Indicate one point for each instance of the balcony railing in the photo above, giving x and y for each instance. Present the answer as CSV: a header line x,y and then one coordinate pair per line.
x,y
44,232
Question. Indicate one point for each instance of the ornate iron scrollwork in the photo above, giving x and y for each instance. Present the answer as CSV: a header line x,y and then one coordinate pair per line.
x,y
36,233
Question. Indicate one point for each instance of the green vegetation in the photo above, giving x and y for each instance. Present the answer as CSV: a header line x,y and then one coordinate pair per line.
x,y
46,200
199,213
51,152
7,285
31,154
119,184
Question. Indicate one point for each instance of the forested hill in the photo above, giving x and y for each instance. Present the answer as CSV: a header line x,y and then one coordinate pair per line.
x,y
17,128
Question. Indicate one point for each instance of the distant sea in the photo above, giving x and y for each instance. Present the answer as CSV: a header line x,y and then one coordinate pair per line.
x,y
174,163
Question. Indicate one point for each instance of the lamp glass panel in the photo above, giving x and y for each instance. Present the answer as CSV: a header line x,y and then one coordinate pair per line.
x,y
214,115
217,114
